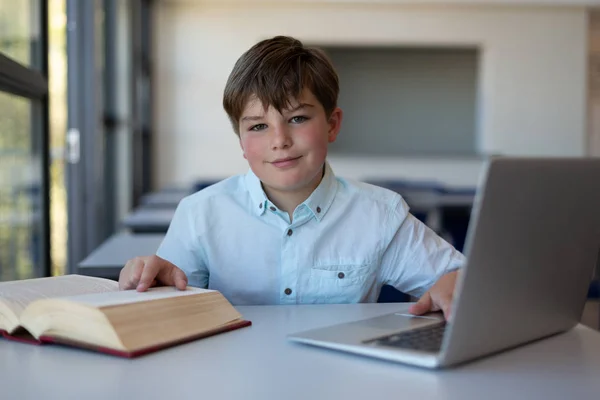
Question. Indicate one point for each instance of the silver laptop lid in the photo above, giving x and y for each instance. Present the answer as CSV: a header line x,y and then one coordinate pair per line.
x,y
532,246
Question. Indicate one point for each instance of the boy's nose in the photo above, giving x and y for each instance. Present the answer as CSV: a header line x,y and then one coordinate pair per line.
x,y
281,138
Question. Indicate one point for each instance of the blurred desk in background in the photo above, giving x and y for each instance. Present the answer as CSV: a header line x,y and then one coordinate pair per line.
x,y
149,220
108,259
163,199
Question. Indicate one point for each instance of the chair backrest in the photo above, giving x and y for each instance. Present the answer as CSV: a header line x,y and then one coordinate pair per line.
x,y
390,294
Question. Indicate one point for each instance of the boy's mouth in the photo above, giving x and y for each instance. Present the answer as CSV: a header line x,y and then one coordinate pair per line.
x,y
285,162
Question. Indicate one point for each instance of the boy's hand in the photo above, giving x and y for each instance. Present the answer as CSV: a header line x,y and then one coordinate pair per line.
x,y
439,297
143,272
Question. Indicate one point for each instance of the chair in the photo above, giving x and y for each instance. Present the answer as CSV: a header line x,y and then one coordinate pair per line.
x,y
390,294
594,289
201,184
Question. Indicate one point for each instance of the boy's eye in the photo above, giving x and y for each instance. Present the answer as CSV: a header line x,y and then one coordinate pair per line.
x,y
298,119
258,127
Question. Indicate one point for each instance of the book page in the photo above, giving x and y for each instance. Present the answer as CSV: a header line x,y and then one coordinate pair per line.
x,y
133,296
16,295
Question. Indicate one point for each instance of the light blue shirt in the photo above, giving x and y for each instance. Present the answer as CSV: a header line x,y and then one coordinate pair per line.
x,y
344,243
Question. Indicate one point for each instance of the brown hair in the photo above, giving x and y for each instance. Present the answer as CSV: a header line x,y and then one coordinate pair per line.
x,y
276,70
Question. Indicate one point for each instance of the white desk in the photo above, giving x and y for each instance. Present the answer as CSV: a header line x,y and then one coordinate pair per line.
x,y
149,220
108,259
259,363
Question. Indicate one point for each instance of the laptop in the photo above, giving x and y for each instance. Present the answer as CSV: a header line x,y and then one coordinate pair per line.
x,y
532,247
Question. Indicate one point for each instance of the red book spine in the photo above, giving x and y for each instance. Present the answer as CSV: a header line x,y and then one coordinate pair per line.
x,y
21,337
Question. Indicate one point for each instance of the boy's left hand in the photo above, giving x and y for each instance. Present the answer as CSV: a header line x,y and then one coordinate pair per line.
x,y
439,297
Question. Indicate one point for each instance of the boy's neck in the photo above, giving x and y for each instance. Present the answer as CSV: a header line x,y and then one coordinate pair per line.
x,y
288,200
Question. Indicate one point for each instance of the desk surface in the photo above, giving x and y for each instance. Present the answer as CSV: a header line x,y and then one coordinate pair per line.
x,y
149,220
167,198
108,259
259,363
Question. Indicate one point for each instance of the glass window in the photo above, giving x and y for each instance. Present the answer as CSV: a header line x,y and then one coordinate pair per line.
x,y
19,31
20,191
57,85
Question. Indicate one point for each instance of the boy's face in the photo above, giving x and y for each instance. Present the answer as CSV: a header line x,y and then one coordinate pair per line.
x,y
287,151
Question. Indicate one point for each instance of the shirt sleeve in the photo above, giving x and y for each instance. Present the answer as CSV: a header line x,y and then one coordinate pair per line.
x,y
416,256
181,246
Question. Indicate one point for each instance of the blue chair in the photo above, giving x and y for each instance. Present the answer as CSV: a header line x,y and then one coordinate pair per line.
x,y
455,222
594,290
202,184
456,218
390,294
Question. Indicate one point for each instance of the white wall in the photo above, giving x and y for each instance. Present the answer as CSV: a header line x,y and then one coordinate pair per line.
x,y
532,77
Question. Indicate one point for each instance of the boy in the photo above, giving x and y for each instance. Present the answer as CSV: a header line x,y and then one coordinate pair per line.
x,y
289,231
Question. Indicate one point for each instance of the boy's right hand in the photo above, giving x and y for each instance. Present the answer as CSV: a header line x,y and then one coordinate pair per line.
x,y
144,272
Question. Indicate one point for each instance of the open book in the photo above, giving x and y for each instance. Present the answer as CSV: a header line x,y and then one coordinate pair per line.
x,y
92,313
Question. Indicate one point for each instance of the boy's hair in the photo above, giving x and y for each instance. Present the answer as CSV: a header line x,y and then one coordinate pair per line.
x,y
277,70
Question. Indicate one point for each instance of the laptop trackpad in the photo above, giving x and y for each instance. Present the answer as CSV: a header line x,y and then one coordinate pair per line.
x,y
358,331
400,321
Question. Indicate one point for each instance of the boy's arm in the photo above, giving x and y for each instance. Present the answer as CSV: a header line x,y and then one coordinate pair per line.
x,y
416,259
181,245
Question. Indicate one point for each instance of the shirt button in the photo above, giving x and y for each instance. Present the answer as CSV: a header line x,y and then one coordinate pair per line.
x,y
260,205
290,232
272,208
288,291
318,209
341,275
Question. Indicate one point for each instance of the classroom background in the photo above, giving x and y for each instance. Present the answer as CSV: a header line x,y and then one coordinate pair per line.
x,y
111,111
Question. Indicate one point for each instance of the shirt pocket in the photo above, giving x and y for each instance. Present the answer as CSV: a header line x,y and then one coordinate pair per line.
x,y
339,283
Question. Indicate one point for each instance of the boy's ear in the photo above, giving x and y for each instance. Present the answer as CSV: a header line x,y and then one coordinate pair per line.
x,y
335,123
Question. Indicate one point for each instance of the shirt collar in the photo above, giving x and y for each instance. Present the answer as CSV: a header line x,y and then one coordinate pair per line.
x,y
257,194
322,197
318,202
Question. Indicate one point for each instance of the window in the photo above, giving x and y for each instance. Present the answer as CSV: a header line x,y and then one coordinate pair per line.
x,y
20,31
24,218
20,197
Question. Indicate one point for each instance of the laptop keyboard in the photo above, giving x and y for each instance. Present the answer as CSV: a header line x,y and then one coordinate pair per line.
x,y
427,339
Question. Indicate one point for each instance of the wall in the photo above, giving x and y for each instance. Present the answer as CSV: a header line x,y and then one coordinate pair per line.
x,y
532,76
